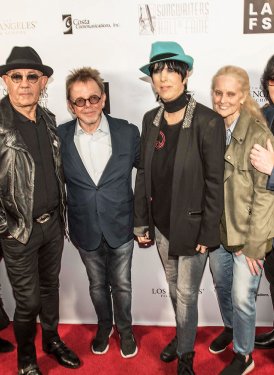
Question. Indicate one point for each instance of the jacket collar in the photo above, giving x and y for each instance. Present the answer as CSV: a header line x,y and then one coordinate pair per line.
x,y
7,114
240,130
187,118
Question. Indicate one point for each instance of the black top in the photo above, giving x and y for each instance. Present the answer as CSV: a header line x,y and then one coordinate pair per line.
x,y
162,175
35,136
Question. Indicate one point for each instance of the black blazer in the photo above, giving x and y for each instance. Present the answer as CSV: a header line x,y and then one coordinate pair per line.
x,y
197,185
106,208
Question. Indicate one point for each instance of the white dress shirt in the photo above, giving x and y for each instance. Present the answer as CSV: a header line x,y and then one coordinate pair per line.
x,y
94,149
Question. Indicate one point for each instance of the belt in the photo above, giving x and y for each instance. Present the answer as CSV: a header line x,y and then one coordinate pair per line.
x,y
44,217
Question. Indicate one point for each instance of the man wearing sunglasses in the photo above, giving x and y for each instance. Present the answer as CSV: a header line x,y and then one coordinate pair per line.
x,y
99,153
32,208
263,160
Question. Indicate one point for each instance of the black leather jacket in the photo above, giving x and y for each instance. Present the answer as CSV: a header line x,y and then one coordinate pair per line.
x,y
17,174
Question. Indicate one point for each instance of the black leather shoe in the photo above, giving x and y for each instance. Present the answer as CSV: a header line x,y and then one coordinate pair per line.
x,y
6,346
169,352
265,340
31,369
64,356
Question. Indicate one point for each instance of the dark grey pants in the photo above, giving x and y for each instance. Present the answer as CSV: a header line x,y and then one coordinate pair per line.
x,y
184,275
33,270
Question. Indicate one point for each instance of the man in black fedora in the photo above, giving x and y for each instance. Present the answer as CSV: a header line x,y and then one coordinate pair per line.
x,y
32,208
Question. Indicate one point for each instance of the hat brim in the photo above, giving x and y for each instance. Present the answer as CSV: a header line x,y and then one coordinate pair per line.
x,y
46,70
185,58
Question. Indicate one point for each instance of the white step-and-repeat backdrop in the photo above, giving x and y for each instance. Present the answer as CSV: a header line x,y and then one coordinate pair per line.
x,y
115,36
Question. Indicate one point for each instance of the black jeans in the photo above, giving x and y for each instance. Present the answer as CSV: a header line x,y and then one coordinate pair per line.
x,y
269,273
4,319
33,271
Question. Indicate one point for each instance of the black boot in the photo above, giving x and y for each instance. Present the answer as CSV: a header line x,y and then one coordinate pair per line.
x,y
6,346
169,353
185,364
265,340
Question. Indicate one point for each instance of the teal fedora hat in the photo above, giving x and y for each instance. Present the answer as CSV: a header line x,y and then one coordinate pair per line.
x,y
163,51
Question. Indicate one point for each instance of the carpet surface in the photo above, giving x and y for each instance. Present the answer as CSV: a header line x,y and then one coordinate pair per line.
x,y
151,341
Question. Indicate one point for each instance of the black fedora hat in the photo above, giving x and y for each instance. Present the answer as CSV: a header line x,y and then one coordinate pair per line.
x,y
25,58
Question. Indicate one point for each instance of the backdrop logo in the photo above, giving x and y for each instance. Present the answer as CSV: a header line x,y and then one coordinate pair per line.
x,y
160,292
258,16
8,27
262,295
258,95
74,24
43,99
3,92
67,21
187,17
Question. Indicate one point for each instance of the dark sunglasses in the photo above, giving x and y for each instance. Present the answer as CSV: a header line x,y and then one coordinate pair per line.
x,y
271,82
17,77
81,102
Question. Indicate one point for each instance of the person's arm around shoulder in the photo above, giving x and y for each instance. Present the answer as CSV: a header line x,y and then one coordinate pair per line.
x,y
261,212
263,160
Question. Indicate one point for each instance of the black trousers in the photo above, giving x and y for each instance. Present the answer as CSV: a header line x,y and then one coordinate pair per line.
x,y
4,319
269,273
33,271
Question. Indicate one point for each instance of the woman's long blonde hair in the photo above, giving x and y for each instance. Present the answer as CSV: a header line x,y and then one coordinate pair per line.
x,y
250,105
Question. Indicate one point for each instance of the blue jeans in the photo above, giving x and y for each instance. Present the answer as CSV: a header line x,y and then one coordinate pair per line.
x,y
236,290
109,273
183,274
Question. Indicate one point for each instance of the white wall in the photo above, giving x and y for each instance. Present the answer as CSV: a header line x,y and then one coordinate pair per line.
x,y
115,36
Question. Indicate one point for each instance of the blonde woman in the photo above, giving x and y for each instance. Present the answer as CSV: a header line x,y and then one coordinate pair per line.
x,y
247,221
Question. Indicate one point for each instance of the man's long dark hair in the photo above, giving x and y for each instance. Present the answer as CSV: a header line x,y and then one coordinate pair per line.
x,y
268,74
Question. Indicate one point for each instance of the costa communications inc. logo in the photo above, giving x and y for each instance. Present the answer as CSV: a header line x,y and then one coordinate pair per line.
x,y
67,21
72,24
187,17
258,16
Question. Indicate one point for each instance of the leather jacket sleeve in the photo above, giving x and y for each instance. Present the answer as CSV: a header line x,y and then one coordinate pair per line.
x,y
3,219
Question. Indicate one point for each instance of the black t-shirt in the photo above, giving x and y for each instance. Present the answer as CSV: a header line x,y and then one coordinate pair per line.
x,y
162,175
36,138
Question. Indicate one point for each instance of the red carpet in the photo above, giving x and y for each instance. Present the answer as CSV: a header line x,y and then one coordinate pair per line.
x,y
150,340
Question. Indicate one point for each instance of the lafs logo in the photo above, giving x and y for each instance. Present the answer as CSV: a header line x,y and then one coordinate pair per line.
x,y
67,22
258,16
161,292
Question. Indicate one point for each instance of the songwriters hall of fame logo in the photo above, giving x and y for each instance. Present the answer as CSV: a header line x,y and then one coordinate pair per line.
x,y
258,16
187,17
67,22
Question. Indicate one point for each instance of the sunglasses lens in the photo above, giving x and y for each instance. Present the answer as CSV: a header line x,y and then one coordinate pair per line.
x,y
16,78
94,99
32,78
80,102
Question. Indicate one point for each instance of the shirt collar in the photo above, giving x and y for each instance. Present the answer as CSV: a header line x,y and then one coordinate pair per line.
x,y
232,126
23,118
103,126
